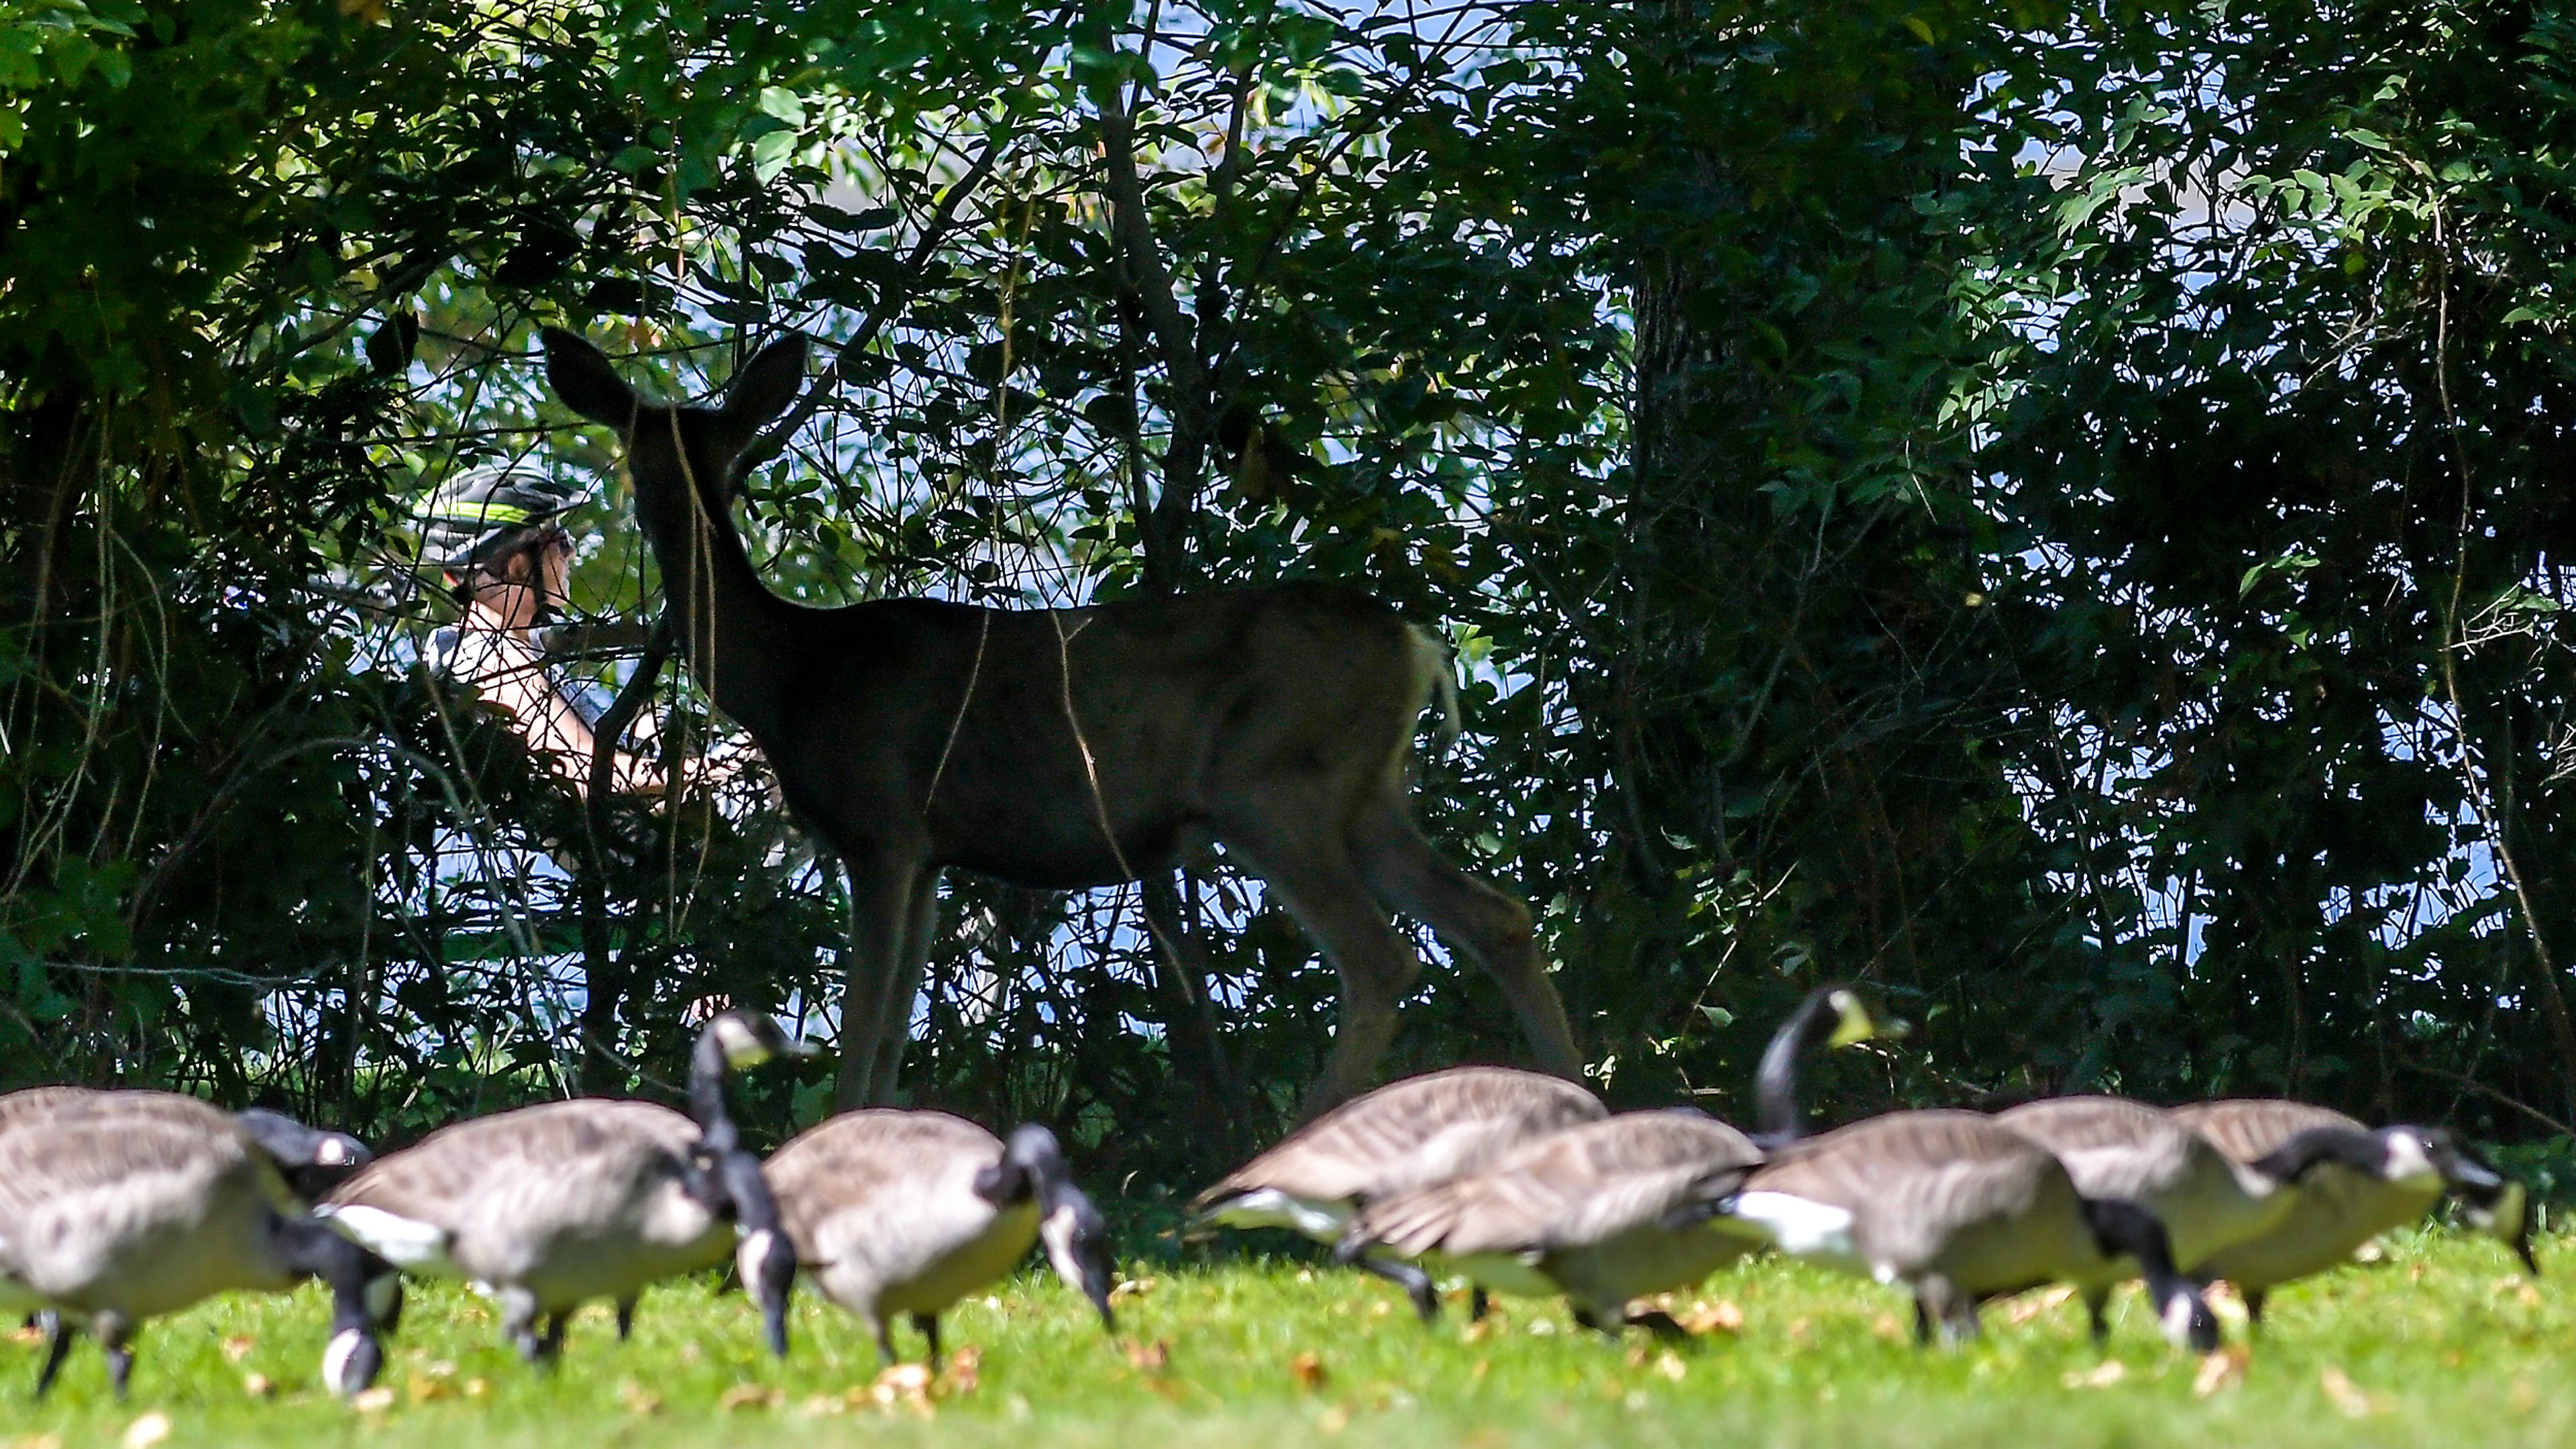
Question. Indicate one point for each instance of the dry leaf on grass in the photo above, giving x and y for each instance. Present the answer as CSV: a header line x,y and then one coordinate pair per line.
x,y
1334,1420
424,1388
965,1370
1134,1288
1885,1326
147,1431
2224,1369
373,1401
2101,1376
476,1388
904,1386
637,1398
1152,1358
27,1334
238,1347
257,1386
2031,1305
1670,1365
749,1396
1309,1370
2343,1393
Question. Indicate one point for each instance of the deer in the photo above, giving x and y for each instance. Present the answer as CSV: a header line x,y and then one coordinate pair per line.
x,y
1066,748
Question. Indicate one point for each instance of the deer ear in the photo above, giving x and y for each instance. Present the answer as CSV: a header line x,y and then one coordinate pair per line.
x,y
767,383
587,381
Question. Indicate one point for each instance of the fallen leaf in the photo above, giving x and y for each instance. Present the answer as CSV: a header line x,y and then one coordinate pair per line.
x,y
1636,1355
238,1347
749,1396
1705,1317
637,1398
2223,1369
147,1431
1153,1357
2343,1393
476,1388
1483,1367
1381,1308
1134,1288
1309,1370
823,1406
1670,1365
965,1369
1334,1420
2101,1376
1885,1326
2223,1299
257,1386
373,1401
903,1386
423,1389
439,1368
30,1335
1479,1331
2031,1305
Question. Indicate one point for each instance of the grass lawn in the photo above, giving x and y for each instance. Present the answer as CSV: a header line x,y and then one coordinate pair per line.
x,y
2437,1342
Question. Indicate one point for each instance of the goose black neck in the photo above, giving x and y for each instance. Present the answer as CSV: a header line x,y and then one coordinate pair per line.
x,y
2363,1152
707,1096
1776,1082
753,1207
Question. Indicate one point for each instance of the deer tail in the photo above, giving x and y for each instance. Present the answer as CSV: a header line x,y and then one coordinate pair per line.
x,y
1431,658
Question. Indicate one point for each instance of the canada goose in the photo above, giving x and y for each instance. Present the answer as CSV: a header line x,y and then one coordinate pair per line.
x,y
115,1213
1585,1212
1960,1209
312,1160
1954,1205
1402,1136
551,1206
2354,1183
2116,1148
908,1211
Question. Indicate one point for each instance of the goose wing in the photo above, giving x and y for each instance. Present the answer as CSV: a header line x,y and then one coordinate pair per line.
x,y
878,1164
1582,1185
1909,1180
2248,1129
2111,1146
1409,1133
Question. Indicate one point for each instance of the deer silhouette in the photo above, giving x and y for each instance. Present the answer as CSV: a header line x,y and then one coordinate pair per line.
x,y
1065,748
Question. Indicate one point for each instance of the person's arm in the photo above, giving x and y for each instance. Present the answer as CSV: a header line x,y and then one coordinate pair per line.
x,y
510,675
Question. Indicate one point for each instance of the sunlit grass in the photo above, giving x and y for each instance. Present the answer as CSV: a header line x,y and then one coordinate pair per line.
x,y
2436,1342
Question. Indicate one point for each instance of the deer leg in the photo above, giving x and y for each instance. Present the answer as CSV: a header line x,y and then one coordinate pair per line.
x,y
1321,885
1407,873
920,929
881,892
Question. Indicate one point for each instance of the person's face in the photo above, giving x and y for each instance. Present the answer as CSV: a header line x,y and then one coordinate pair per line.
x,y
529,582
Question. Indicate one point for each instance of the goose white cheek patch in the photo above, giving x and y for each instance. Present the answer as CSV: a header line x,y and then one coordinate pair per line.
x,y
335,1361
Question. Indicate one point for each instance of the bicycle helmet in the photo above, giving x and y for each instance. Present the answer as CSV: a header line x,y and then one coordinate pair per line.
x,y
479,514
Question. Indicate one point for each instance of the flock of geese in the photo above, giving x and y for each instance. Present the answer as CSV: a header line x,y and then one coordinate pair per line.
x,y
120,1206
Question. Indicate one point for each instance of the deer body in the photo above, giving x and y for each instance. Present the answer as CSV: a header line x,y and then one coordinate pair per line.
x,y
1065,748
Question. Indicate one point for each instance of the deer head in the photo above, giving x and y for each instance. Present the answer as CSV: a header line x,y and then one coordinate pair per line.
x,y
684,463
664,441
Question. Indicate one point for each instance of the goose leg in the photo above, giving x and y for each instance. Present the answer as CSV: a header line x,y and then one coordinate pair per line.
x,y
885,1340
551,1346
2095,1301
1409,1277
111,1332
928,1323
58,1344
2254,1306
625,1317
1586,1318
519,1322
1478,1305
1922,1323
1661,1324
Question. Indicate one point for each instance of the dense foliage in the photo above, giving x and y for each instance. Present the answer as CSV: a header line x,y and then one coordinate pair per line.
x,y
2052,510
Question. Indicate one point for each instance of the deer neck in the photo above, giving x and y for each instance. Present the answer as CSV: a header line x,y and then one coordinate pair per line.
x,y
731,627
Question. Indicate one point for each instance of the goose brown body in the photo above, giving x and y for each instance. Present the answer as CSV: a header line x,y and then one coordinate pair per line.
x,y
2335,1209
1582,1211
2116,1148
563,1202
1405,1135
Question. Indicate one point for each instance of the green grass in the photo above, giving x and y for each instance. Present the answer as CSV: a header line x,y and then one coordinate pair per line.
x,y
2436,1342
